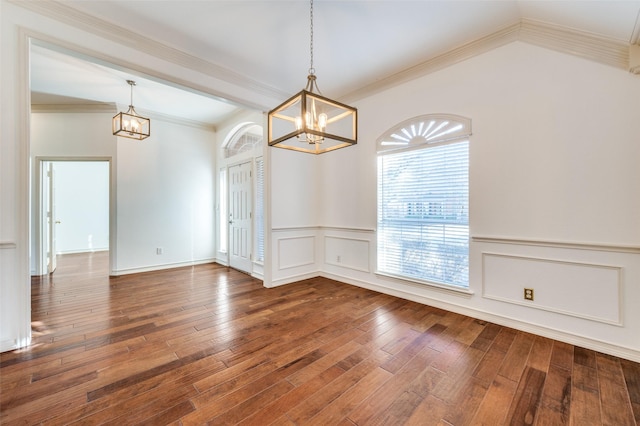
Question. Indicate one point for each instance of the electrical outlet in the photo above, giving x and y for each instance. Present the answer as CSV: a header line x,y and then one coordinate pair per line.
x,y
528,294
159,250
339,259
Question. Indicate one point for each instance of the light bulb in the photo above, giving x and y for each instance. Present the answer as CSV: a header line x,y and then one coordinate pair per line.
x,y
322,122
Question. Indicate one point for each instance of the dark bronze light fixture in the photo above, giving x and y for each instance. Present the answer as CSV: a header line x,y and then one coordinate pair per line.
x,y
310,122
129,124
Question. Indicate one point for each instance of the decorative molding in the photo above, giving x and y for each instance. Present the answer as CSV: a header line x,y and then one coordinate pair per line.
x,y
367,244
112,108
469,50
634,59
61,12
161,267
346,229
443,288
551,333
4,245
587,45
8,345
174,120
308,262
322,228
618,321
579,43
291,279
618,248
635,36
295,228
74,108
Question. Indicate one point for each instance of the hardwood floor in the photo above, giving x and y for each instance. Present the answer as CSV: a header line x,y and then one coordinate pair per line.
x,y
211,345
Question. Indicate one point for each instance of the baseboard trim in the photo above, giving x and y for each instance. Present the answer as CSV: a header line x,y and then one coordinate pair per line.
x,y
153,268
577,340
292,279
8,345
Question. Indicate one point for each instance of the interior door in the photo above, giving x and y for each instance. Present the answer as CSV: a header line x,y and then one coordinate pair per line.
x,y
240,214
52,219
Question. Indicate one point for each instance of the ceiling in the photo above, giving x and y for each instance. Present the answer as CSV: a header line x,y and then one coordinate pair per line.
x,y
356,43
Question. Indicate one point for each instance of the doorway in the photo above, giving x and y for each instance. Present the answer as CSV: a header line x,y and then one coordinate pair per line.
x,y
240,217
73,208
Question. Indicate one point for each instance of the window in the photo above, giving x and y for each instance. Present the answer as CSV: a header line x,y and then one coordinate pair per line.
x,y
259,209
423,200
246,138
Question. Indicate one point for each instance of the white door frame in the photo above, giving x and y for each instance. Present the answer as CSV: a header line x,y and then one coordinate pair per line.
x,y
38,228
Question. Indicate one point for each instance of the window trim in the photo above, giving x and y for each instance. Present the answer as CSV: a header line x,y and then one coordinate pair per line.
x,y
448,288
463,133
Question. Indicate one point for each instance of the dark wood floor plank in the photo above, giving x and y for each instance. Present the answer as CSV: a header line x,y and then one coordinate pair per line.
x,y
429,412
585,396
270,413
516,358
208,344
631,371
307,409
383,397
499,394
613,388
526,401
555,403
344,404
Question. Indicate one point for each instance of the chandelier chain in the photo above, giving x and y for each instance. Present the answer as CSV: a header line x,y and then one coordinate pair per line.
x,y
311,69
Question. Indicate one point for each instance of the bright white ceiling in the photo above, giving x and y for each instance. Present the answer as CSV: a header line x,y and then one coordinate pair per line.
x,y
356,42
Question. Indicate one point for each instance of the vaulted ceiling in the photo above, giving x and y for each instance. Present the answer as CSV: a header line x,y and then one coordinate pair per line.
x,y
358,44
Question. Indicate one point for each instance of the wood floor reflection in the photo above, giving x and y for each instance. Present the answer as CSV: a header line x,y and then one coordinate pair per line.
x,y
208,344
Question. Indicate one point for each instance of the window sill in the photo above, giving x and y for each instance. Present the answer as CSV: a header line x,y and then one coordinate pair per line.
x,y
447,288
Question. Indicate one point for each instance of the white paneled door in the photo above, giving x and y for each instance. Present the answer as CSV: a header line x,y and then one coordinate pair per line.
x,y
240,213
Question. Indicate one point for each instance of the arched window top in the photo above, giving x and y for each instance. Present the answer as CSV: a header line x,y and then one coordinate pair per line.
x,y
424,130
244,137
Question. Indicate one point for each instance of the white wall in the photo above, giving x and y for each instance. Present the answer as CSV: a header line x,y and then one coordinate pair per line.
x,y
51,139
554,197
166,198
82,206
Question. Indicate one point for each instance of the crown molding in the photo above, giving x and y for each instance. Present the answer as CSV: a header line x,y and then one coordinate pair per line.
x,y
74,108
583,44
466,51
635,36
176,120
112,108
60,12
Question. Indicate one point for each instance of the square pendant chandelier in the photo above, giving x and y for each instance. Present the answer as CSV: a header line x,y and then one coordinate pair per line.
x,y
309,122
129,124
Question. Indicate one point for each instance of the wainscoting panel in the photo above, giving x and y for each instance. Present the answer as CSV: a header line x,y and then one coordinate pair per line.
x,y
294,252
585,290
352,253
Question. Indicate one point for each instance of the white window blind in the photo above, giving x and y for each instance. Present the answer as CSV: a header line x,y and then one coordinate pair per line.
x,y
260,209
423,213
